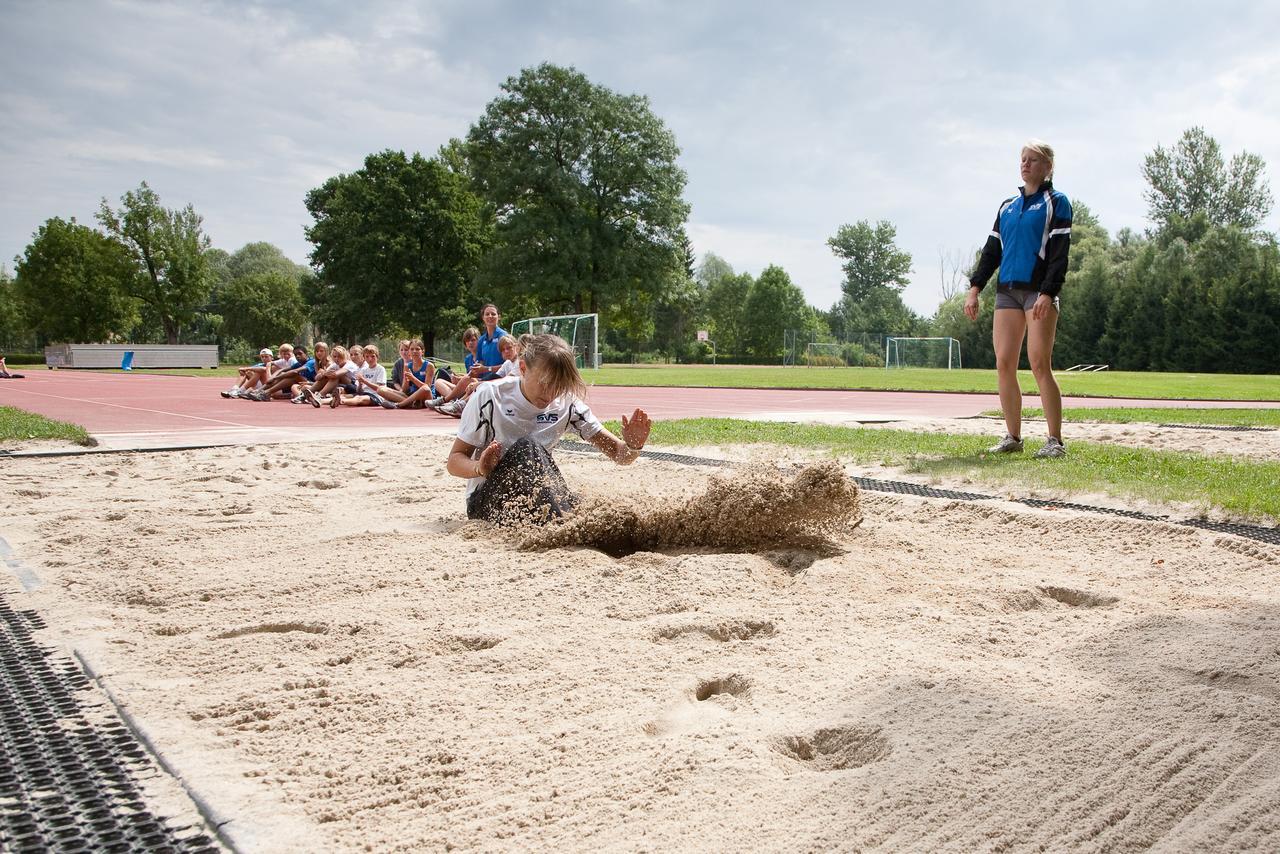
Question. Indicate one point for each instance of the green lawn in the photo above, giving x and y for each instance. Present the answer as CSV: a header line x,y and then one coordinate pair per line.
x,y
1104,384
16,424
1190,415
1245,489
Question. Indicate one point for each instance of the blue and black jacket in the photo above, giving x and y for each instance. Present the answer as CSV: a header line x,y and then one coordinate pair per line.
x,y
1028,242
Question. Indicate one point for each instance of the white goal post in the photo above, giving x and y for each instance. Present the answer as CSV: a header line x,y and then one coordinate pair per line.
x,y
910,352
581,331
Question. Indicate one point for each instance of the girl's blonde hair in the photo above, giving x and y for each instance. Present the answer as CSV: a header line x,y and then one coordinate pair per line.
x,y
339,350
1044,149
553,358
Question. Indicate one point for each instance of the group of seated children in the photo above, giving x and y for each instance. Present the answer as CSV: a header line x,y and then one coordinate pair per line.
x,y
354,377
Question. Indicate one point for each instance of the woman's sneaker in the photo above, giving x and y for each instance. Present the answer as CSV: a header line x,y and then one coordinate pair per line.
x,y
1053,448
1007,445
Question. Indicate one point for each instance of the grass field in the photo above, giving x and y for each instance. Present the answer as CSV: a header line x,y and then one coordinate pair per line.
x,y
1106,384
1244,489
1139,415
20,425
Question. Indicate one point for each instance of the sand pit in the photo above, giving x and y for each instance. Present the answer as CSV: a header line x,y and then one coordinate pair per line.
x,y
333,655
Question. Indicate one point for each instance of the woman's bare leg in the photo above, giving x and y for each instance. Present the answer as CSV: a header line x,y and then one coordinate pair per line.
x,y
1040,337
1007,331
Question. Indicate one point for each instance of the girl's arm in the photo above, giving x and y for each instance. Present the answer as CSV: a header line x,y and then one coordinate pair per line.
x,y
635,432
461,464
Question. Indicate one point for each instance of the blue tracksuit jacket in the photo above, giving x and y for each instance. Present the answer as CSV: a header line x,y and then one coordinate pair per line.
x,y
1028,242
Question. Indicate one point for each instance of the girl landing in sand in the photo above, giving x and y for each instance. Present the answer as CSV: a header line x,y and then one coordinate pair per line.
x,y
509,427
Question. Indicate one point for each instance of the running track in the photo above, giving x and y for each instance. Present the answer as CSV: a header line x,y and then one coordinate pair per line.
x,y
149,410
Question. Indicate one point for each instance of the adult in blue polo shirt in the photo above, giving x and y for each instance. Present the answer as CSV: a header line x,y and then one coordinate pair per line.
x,y
1029,243
487,352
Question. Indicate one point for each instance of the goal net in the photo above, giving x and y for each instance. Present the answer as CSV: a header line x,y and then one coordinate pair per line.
x,y
922,353
818,354
581,331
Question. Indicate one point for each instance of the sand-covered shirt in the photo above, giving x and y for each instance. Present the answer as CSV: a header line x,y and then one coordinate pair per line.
x,y
499,411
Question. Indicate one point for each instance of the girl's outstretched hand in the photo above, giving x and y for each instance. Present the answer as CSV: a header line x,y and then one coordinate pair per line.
x,y
489,459
635,430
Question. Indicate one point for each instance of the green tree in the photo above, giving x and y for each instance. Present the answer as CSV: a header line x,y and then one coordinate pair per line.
x,y
1193,178
773,305
586,191
712,269
871,260
168,248
257,258
12,326
73,284
263,308
726,312
397,243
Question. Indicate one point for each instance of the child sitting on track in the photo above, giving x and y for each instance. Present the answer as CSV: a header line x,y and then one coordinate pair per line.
x,y
510,425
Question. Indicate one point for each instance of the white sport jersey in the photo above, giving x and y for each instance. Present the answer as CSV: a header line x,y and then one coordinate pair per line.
x,y
499,411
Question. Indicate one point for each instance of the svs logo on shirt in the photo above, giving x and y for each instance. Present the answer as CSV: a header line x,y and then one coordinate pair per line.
x,y
548,418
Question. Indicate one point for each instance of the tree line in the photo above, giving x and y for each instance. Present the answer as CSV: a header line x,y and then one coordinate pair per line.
x,y
566,197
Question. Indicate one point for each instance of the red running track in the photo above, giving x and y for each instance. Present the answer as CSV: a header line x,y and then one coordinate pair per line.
x,y
190,410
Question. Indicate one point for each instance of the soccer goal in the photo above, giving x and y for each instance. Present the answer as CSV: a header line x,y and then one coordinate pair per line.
x,y
818,354
922,353
582,331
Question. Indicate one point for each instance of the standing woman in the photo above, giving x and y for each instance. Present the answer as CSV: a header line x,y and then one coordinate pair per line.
x,y
487,353
1029,243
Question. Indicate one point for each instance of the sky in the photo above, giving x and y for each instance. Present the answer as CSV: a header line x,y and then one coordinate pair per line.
x,y
792,118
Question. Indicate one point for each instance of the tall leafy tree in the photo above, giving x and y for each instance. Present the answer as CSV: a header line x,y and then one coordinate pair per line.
x,y
168,248
1192,178
586,190
397,243
726,311
263,308
12,326
74,284
261,257
871,259
712,269
773,305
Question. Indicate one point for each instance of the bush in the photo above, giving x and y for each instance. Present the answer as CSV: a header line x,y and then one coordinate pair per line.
x,y
23,358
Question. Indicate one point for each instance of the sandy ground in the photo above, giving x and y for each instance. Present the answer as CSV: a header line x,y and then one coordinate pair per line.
x,y
332,655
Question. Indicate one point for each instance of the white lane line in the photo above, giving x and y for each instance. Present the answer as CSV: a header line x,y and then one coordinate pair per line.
x,y
139,409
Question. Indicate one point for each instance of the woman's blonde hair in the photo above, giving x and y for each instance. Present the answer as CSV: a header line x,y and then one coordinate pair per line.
x,y
553,358
1044,149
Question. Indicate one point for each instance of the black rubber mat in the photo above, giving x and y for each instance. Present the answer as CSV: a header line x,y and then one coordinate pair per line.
x,y
71,773
1253,532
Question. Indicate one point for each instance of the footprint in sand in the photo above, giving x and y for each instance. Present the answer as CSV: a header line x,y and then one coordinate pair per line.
x,y
712,701
835,748
1078,598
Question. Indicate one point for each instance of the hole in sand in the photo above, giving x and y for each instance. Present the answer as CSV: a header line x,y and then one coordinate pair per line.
x,y
734,686
836,748
723,632
472,643
1078,598
274,628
